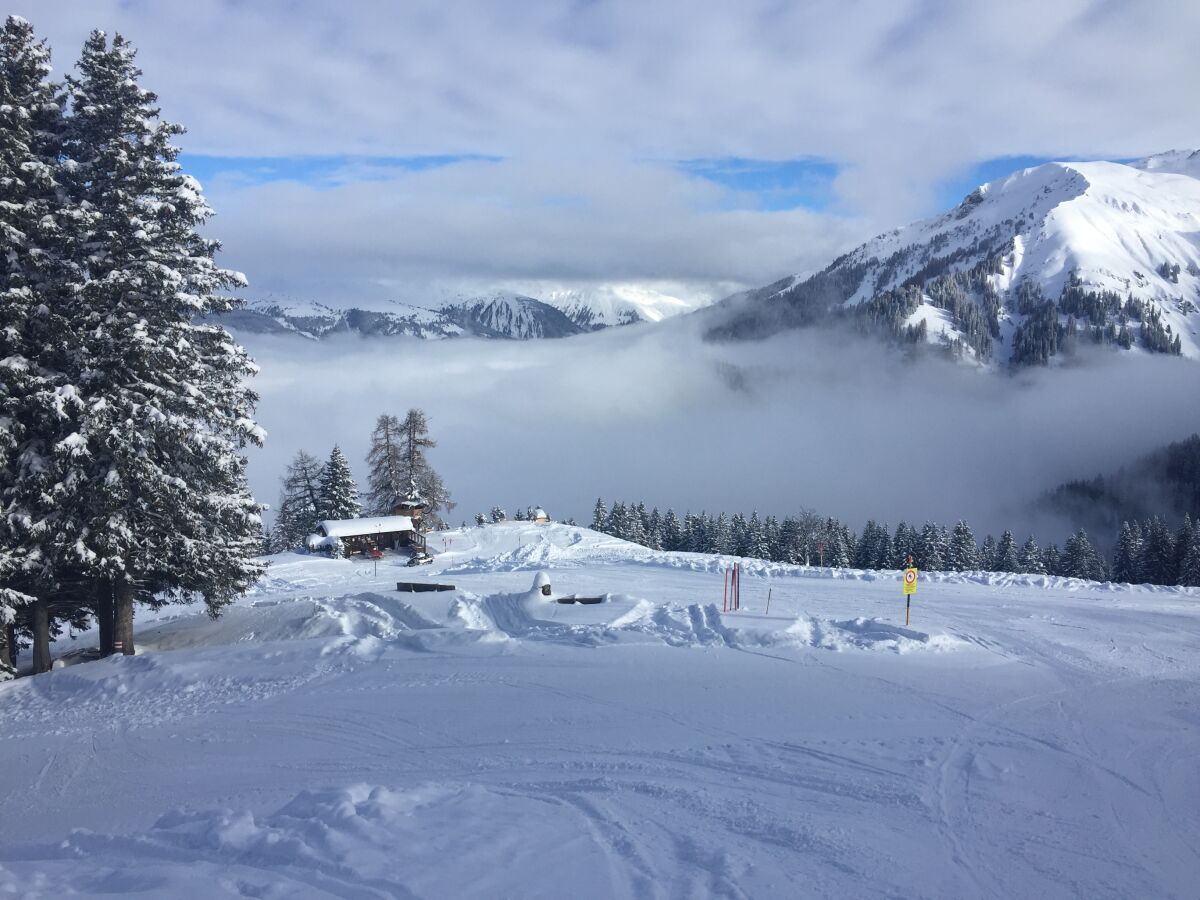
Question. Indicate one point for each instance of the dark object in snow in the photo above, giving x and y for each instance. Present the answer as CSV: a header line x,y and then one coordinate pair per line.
x,y
574,599
419,559
420,587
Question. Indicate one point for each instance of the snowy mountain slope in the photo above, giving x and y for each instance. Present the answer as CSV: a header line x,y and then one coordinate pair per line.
x,y
1112,248
509,315
331,737
497,314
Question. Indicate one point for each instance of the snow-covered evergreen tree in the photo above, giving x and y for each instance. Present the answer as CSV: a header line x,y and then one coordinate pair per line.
x,y
480,519
962,555
1158,553
932,548
498,514
672,531
166,406
904,546
1052,560
756,538
1030,559
987,554
600,516
1006,553
299,503
720,538
1189,567
1128,558
864,554
654,530
39,406
388,475
338,497
1080,559
1183,542
837,549
415,441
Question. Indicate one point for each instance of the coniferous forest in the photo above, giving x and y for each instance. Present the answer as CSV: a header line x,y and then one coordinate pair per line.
x,y
1148,551
124,413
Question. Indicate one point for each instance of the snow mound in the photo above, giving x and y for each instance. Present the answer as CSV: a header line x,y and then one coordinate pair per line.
x,y
355,841
517,548
685,625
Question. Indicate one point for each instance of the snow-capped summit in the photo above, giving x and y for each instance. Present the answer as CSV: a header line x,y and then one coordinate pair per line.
x,y
510,315
1106,248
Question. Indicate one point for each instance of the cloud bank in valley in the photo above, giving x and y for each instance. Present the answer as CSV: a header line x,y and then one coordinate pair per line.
x,y
654,414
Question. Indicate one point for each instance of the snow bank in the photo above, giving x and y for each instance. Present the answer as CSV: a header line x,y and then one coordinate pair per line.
x,y
356,841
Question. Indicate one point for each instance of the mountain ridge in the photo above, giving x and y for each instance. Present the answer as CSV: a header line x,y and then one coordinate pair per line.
x,y
496,314
1024,267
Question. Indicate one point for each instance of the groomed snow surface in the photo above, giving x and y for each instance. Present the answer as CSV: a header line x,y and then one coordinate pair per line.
x,y
331,737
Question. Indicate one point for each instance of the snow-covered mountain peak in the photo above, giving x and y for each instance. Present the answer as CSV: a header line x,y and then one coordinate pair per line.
x,y
1111,246
1178,162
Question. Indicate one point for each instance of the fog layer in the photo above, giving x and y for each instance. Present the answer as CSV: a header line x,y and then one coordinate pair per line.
x,y
807,419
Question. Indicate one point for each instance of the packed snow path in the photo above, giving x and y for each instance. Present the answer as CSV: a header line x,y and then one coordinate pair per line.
x,y
330,737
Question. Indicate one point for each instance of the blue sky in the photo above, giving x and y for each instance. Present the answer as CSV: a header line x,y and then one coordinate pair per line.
x,y
769,185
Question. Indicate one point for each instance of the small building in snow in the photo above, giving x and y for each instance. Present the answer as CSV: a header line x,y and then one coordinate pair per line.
x,y
363,535
540,517
411,505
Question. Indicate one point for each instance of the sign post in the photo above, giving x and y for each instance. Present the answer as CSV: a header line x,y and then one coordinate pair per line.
x,y
910,588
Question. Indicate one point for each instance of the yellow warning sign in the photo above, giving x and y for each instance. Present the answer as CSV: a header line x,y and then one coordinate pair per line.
x,y
910,581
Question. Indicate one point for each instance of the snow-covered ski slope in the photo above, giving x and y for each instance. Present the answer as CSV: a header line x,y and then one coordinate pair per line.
x,y
331,737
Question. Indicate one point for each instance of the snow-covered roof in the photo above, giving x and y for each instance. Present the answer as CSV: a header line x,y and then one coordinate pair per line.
x,y
357,527
540,513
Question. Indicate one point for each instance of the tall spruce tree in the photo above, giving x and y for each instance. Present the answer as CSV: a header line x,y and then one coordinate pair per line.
x,y
933,548
1006,553
1080,559
1052,560
1128,559
338,497
962,554
415,441
388,475
1183,542
600,516
1189,568
299,503
1030,559
987,554
39,405
672,531
1158,552
166,510
904,546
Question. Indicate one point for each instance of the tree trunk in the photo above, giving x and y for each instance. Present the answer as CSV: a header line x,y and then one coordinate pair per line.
x,y
122,601
7,662
40,622
104,617
13,649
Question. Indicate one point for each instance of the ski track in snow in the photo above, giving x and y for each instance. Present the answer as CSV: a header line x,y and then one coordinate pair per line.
x,y
329,737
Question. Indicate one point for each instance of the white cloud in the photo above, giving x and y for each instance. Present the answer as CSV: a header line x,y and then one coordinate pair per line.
x,y
549,224
900,94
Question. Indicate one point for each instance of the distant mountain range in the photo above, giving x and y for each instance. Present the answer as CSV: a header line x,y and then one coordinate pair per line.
x,y
1024,268
498,314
